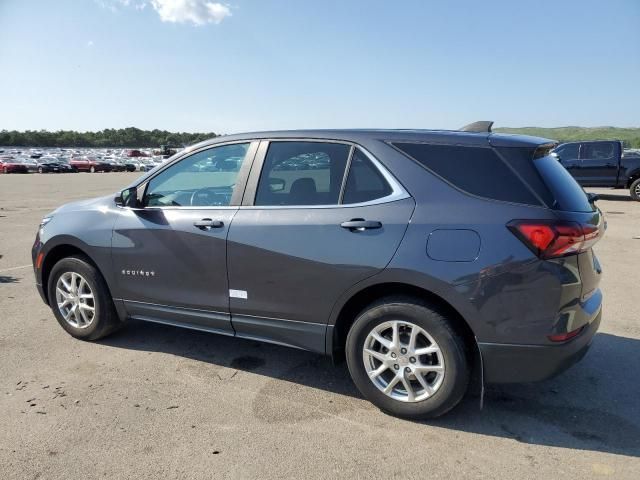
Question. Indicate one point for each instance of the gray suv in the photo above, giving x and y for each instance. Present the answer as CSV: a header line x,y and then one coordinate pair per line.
x,y
420,256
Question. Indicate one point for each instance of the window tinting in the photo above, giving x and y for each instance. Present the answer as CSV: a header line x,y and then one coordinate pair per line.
x,y
364,182
568,195
568,152
203,179
597,151
476,170
302,173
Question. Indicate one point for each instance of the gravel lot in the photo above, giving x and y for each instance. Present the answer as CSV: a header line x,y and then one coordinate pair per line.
x,y
159,402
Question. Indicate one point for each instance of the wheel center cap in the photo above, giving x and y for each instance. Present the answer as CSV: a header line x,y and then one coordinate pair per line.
x,y
403,361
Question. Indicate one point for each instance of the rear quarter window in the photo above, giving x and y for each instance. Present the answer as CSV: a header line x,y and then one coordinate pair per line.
x,y
568,195
475,170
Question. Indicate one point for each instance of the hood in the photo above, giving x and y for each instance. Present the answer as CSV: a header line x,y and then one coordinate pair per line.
x,y
90,204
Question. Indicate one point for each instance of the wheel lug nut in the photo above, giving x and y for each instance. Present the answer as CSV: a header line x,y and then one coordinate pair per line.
x,y
412,359
396,366
393,355
403,350
407,369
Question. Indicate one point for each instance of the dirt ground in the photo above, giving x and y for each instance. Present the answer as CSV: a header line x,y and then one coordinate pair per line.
x,y
154,401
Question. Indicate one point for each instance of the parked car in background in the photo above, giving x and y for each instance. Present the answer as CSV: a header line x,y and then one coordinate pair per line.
x,y
29,162
397,249
51,164
9,164
89,164
601,164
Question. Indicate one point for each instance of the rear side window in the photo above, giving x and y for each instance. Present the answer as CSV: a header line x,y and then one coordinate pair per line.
x,y
364,182
568,195
302,173
476,170
597,151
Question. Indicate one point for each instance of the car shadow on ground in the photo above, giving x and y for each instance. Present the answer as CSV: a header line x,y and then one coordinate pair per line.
x,y
593,406
620,197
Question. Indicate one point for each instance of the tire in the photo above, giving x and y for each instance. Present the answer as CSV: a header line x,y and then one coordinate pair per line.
x,y
92,169
434,332
4,170
105,318
40,170
634,190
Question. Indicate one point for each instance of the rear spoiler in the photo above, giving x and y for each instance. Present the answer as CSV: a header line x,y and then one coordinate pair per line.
x,y
483,126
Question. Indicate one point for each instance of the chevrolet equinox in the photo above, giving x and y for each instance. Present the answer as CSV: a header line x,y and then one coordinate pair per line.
x,y
420,256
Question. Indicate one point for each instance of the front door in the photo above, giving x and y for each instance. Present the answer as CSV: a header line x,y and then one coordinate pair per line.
x,y
170,255
309,233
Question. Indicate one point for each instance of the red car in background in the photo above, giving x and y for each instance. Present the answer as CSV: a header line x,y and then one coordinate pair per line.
x,y
90,164
11,165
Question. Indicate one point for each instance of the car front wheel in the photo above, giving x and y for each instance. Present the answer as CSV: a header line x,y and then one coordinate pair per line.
x,y
80,299
405,357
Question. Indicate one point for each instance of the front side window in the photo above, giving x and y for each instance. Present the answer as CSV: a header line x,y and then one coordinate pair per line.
x,y
302,173
569,152
204,179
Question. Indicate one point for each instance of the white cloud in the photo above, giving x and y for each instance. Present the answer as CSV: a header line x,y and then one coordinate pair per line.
x,y
197,12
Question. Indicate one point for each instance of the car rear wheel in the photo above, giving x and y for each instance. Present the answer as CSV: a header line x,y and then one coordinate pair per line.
x,y
92,169
635,190
40,170
4,170
405,357
80,299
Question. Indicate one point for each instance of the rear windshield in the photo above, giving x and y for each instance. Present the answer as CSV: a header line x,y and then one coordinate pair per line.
x,y
568,195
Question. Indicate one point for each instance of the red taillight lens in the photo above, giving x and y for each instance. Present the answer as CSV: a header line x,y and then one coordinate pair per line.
x,y
551,239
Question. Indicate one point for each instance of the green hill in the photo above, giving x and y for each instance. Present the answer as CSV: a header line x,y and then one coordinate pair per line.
x,y
630,136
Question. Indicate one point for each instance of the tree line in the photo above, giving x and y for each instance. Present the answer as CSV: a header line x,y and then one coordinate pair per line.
x,y
630,136
110,137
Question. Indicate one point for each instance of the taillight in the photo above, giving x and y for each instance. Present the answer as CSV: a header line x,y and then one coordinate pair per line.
x,y
549,239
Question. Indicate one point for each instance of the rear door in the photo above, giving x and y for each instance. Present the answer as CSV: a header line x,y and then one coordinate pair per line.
x,y
599,164
317,218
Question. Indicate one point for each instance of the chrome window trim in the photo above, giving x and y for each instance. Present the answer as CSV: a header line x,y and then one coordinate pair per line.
x,y
398,192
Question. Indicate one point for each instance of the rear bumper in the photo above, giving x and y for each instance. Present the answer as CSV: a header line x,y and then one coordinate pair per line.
x,y
505,363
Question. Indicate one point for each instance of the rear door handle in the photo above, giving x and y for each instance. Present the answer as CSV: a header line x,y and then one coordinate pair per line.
x,y
360,224
208,224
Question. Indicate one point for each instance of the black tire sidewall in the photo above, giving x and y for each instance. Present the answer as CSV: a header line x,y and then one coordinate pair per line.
x,y
453,351
632,189
101,296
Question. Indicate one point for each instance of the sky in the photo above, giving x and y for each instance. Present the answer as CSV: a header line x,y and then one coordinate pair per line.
x,y
205,66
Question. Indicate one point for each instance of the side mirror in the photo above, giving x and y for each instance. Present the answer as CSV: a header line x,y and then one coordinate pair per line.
x,y
128,198
554,154
593,197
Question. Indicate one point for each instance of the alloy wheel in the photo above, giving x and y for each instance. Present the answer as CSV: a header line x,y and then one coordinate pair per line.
x,y
75,300
403,361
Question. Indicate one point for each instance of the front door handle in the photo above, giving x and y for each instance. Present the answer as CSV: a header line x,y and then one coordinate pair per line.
x,y
208,224
360,224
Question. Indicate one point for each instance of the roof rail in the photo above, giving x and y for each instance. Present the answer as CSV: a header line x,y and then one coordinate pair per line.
x,y
478,127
